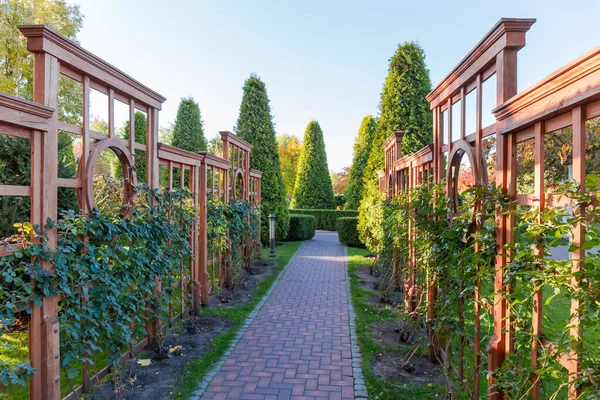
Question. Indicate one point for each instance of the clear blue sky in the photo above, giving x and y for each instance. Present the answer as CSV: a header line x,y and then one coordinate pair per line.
x,y
323,60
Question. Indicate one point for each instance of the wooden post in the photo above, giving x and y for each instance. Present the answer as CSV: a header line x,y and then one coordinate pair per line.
x,y
44,339
500,343
154,328
203,236
576,331
538,297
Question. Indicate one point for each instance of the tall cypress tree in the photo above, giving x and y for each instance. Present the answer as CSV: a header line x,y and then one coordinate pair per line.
x,y
313,187
188,133
402,107
255,125
362,149
140,127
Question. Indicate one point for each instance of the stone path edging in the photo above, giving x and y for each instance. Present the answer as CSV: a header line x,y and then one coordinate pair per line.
x,y
217,367
360,388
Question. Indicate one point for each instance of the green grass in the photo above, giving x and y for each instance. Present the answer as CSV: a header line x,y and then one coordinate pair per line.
x,y
365,316
195,370
20,354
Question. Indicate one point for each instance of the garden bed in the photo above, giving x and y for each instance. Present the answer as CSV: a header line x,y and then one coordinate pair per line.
x,y
243,294
151,376
381,332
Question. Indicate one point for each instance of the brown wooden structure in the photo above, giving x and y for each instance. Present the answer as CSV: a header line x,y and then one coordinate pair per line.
x,y
204,174
482,124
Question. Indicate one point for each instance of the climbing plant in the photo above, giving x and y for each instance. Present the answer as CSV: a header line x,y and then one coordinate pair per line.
x,y
455,251
106,270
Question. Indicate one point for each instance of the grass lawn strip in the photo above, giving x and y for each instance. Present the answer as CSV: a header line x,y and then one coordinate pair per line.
x,y
360,389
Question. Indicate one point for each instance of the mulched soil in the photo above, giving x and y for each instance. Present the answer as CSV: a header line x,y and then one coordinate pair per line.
x,y
394,368
378,301
390,366
242,295
393,333
367,280
157,380
193,335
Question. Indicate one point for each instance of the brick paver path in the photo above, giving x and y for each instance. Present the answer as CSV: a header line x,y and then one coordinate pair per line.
x,y
298,347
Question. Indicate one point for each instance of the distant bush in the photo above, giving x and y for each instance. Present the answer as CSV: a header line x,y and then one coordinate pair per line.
x,y
302,227
326,218
340,201
347,232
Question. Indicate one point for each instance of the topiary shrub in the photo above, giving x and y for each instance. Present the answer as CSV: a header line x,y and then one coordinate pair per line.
x,y
347,232
255,125
326,218
408,79
362,149
313,187
302,227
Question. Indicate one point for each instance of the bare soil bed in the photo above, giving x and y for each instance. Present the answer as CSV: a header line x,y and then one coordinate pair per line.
x,y
418,369
395,333
151,376
186,341
367,280
379,301
242,294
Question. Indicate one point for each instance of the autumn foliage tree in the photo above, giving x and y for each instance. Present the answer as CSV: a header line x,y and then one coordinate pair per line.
x,y
313,187
255,125
16,78
362,149
402,106
290,148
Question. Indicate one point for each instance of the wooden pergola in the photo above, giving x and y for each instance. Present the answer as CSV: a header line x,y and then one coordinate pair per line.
x,y
488,138
57,58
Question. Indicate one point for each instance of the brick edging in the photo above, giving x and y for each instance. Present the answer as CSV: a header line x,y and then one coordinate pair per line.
x,y
205,382
360,388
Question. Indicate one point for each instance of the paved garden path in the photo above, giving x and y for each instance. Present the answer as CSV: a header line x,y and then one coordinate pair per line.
x,y
299,346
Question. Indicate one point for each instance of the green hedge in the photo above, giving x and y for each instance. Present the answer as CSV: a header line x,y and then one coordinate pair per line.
x,y
346,228
302,227
326,218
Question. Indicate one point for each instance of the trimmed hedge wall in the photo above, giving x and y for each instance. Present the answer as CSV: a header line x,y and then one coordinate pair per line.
x,y
302,227
326,218
347,232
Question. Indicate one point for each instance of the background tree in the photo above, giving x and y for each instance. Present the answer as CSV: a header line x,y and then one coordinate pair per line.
x,y
188,133
313,183
290,148
16,78
255,125
140,127
165,134
215,145
402,107
362,149
339,180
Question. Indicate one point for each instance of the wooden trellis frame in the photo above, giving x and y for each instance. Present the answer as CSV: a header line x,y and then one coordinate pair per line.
x,y
38,122
568,97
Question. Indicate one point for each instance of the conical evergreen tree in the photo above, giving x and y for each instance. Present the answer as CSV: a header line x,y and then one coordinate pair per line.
x,y
188,133
362,149
402,107
255,125
140,127
313,187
